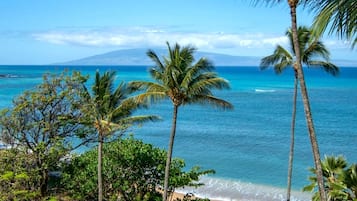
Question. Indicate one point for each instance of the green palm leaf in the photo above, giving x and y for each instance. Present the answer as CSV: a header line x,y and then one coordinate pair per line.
x,y
340,16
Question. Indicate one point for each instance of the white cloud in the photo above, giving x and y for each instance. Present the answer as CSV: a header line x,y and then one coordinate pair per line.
x,y
337,44
254,44
146,37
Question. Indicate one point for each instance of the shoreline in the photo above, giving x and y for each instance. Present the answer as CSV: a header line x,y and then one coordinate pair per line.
x,y
217,189
182,195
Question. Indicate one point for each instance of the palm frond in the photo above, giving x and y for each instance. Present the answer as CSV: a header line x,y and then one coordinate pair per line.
x,y
339,15
154,57
326,66
284,64
139,119
204,85
157,74
315,49
125,109
350,179
203,65
304,37
280,59
210,100
151,96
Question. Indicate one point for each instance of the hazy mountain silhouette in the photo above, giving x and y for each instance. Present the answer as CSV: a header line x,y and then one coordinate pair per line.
x,y
139,57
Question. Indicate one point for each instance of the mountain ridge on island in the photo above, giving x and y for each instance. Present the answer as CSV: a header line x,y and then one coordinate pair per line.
x,y
137,56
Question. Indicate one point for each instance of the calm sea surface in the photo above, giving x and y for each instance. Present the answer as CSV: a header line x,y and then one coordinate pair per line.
x,y
248,147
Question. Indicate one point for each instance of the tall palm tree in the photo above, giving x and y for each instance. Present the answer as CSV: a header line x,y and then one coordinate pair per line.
x,y
110,112
283,59
293,4
341,15
184,82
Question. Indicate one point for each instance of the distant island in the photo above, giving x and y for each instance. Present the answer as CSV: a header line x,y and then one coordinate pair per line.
x,y
138,57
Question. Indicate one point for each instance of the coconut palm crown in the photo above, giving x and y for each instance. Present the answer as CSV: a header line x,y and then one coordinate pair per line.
x,y
184,82
313,54
110,111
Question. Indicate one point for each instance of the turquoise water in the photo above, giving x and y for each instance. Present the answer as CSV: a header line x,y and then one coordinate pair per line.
x,y
248,147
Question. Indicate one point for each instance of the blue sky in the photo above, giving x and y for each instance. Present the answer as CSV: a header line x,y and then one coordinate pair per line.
x,y
50,31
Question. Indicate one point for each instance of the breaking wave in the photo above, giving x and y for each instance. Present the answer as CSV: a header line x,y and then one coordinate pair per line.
x,y
265,90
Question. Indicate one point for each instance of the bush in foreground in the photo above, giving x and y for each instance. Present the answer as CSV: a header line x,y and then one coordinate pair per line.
x,y
132,170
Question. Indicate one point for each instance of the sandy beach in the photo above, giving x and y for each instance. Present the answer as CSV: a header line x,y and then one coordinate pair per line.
x,y
178,195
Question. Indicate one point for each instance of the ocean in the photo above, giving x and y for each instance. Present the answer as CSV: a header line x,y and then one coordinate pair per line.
x,y
248,146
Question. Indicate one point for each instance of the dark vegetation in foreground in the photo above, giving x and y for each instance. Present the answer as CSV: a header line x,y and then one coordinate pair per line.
x,y
132,170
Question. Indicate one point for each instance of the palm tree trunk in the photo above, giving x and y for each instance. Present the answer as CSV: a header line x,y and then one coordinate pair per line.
x,y
100,181
305,98
292,140
169,153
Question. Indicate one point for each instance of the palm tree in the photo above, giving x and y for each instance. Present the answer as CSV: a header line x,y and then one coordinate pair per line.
x,y
334,175
341,15
110,112
305,98
184,82
283,59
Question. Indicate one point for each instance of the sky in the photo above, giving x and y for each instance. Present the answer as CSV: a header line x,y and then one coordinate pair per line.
x,y
50,31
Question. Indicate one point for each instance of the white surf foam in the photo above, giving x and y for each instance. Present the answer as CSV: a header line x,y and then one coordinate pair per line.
x,y
265,90
233,190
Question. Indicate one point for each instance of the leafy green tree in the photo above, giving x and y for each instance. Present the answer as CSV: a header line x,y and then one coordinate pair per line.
x,y
17,178
184,82
110,111
293,4
133,170
44,124
281,59
340,180
339,15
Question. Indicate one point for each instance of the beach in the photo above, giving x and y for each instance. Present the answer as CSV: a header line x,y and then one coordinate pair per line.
x,y
220,190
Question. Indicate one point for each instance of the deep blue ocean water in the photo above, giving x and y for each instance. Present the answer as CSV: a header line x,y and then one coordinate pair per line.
x,y
248,147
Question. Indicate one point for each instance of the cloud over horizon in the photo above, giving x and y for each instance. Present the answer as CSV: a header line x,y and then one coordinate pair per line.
x,y
148,37
239,44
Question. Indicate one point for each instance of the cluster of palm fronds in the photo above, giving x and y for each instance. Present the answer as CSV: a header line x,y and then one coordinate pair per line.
x,y
340,179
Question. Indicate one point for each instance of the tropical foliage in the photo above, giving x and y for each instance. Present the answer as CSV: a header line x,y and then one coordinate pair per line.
x,y
132,171
110,111
43,125
339,15
184,82
340,179
17,177
313,54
